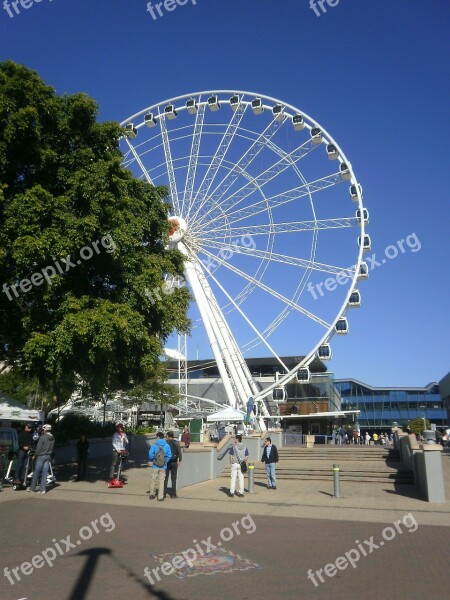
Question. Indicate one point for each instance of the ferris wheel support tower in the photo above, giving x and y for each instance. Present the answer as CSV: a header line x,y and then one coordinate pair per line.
x,y
236,377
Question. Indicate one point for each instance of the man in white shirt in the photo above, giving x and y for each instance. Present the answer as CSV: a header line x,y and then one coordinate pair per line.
x,y
120,443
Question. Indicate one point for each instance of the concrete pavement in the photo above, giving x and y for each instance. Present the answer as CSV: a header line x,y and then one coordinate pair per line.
x,y
297,541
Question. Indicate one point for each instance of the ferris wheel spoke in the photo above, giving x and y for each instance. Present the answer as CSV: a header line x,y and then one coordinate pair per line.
x,y
268,331
292,227
169,164
193,158
287,160
269,174
266,289
246,318
218,157
228,250
285,197
139,161
247,158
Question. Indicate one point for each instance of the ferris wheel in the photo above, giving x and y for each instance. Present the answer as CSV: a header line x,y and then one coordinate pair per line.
x,y
269,215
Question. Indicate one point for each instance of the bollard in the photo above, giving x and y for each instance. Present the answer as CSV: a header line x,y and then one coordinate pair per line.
x,y
337,493
251,478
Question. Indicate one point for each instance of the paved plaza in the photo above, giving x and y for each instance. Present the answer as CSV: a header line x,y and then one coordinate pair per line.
x,y
83,541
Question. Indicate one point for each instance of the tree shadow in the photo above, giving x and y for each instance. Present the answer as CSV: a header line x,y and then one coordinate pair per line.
x,y
93,555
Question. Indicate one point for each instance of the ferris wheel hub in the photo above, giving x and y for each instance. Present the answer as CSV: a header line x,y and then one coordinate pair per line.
x,y
178,228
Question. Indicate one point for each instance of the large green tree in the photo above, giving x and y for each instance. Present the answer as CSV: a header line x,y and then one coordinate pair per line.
x,y
83,244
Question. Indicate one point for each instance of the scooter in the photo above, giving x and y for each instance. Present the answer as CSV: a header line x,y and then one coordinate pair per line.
x,y
116,482
23,484
28,474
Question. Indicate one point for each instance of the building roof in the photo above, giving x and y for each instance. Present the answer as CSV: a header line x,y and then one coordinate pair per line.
x,y
316,366
387,388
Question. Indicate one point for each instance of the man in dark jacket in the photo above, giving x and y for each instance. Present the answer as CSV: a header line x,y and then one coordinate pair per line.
x,y
25,443
270,458
42,457
172,465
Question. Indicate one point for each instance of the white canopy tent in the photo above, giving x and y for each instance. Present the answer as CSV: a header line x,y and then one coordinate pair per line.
x,y
228,414
11,410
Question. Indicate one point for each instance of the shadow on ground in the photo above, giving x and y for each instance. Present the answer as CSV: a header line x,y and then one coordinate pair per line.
x,y
93,556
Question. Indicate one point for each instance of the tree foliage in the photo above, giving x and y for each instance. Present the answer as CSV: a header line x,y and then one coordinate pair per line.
x,y
417,425
63,188
23,388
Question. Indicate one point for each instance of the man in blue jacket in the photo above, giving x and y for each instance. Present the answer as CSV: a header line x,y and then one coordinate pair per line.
x,y
270,457
159,454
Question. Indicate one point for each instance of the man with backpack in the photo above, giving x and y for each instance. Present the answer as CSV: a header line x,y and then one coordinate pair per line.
x,y
159,454
172,465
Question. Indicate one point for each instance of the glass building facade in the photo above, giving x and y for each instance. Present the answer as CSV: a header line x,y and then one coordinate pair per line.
x,y
380,407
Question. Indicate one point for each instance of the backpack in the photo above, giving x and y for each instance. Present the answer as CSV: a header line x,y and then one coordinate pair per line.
x,y
175,448
159,460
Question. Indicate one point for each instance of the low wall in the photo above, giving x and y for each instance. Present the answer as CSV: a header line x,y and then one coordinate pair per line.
x,y
99,447
407,446
426,463
201,462
67,454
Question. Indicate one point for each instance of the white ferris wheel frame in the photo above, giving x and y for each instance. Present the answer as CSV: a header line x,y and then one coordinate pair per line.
x,y
237,379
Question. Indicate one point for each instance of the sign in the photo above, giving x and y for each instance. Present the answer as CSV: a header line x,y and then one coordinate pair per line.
x,y
149,416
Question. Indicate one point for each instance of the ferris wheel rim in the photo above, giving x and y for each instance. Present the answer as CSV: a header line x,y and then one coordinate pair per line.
x,y
310,122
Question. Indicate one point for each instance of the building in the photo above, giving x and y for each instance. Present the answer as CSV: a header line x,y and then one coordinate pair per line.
x,y
444,389
306,407
301,407
382,406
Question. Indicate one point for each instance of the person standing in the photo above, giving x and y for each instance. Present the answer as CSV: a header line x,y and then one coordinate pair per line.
x,y
119,443
186,437
367,438
270,458
82,456
42,457
238,454
173,464
25,443
159,454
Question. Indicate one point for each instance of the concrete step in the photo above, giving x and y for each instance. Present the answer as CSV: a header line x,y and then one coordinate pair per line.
x,y
362,464
403,478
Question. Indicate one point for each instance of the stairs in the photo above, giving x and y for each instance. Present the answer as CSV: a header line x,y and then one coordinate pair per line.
x,y
368,464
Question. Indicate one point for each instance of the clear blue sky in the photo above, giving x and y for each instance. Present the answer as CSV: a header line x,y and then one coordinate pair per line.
x,y
373,72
